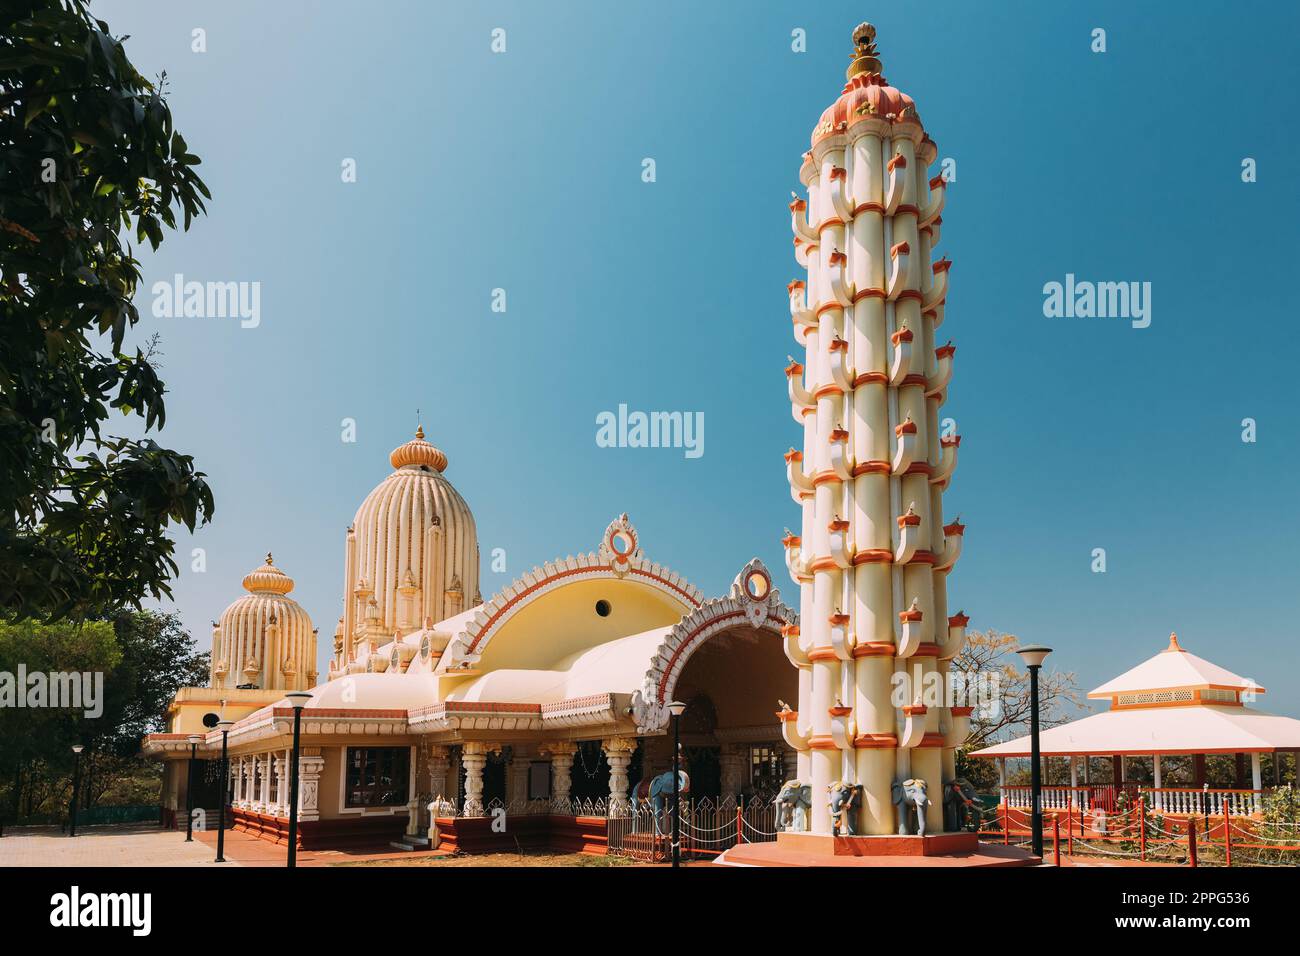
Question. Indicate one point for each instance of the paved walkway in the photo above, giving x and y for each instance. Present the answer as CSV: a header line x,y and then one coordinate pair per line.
x,y
144,844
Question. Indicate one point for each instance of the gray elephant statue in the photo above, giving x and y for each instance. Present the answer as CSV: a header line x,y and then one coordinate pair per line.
x,y
906,795
960,807
845,798
792,806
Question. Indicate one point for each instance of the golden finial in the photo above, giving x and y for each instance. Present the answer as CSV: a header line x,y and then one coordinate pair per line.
x,y
1173,642
864,58
419,432
268,557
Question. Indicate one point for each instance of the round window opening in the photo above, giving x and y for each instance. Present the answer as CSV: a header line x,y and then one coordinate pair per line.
x,y
211,720
757,585
602,608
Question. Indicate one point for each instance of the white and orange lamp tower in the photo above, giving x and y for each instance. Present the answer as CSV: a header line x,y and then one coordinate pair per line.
x,y
873,557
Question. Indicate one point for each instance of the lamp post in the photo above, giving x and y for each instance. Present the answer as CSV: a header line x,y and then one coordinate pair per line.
x,y
1033,656
194,740
676,707
76,785
299,700
223,726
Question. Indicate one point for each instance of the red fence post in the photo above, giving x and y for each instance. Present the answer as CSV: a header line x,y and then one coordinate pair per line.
x,y
1006,822
1191,841
1069,830
1056,837
1142,827
740,821
1227,830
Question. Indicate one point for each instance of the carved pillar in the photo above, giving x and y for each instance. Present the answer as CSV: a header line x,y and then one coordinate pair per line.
x,y
282,765
310,764
473,756
517,775
264,798
618,752
731,765
439,765
245,782
561,753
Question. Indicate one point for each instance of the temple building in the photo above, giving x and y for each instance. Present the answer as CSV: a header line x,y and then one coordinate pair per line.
x,y
548,701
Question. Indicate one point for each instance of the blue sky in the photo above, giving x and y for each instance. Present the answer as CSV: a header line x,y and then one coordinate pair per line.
x,y
522,171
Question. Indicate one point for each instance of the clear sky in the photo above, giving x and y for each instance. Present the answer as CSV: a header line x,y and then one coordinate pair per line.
x,y
522,170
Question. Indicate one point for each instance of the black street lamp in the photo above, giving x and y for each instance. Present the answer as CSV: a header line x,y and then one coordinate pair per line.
x,y
76,785
194,740
1033,656
299,700
223,726
675,708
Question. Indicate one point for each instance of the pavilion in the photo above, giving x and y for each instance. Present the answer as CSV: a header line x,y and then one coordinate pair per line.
x,y
1174,703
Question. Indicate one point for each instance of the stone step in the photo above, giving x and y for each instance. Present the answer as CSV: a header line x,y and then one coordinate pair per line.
x,y
410,843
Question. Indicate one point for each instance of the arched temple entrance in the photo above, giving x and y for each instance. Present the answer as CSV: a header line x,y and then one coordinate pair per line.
x,y
727,663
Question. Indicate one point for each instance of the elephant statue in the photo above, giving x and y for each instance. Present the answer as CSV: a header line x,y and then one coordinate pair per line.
x,y
660,788
792,806
845,798
960,808
910,794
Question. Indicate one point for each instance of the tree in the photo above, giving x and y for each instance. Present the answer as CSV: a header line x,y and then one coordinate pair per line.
x,y
988,663
144,656
88,156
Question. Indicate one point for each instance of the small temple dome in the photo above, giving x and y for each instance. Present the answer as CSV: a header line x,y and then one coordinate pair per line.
x,y
413,507
264,636
867,95
267,579
418,452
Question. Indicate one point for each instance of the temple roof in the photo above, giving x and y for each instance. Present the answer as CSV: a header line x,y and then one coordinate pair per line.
x,y
1174,667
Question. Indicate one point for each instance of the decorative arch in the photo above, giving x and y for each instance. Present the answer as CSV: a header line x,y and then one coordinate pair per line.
x,y
752,601
619,558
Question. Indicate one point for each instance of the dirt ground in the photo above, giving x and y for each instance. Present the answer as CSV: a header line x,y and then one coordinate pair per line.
x,y
540,858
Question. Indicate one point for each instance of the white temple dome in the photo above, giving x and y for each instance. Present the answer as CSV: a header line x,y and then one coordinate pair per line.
x,y
413,508
264,638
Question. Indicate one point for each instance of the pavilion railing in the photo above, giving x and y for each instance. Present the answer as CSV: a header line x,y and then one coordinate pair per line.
x,y
1109,798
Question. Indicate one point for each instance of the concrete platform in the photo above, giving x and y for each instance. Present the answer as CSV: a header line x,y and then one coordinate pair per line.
x,y
942,849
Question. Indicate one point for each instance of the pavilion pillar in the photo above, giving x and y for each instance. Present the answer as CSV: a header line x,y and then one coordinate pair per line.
x,y
517,775
1159,798
1240,767
618,753
245,782
473,756
1198,769
561,753
1074,779
1117,769
1256,781
310,765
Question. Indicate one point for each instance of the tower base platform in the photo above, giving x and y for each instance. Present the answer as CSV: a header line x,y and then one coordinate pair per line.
x,y
940,849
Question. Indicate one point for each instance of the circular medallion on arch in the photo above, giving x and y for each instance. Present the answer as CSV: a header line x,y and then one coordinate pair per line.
x,y
211,720
757,584
424,648
622,541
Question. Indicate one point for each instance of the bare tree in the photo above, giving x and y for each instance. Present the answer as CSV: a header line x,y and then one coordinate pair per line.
x,y
989,660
